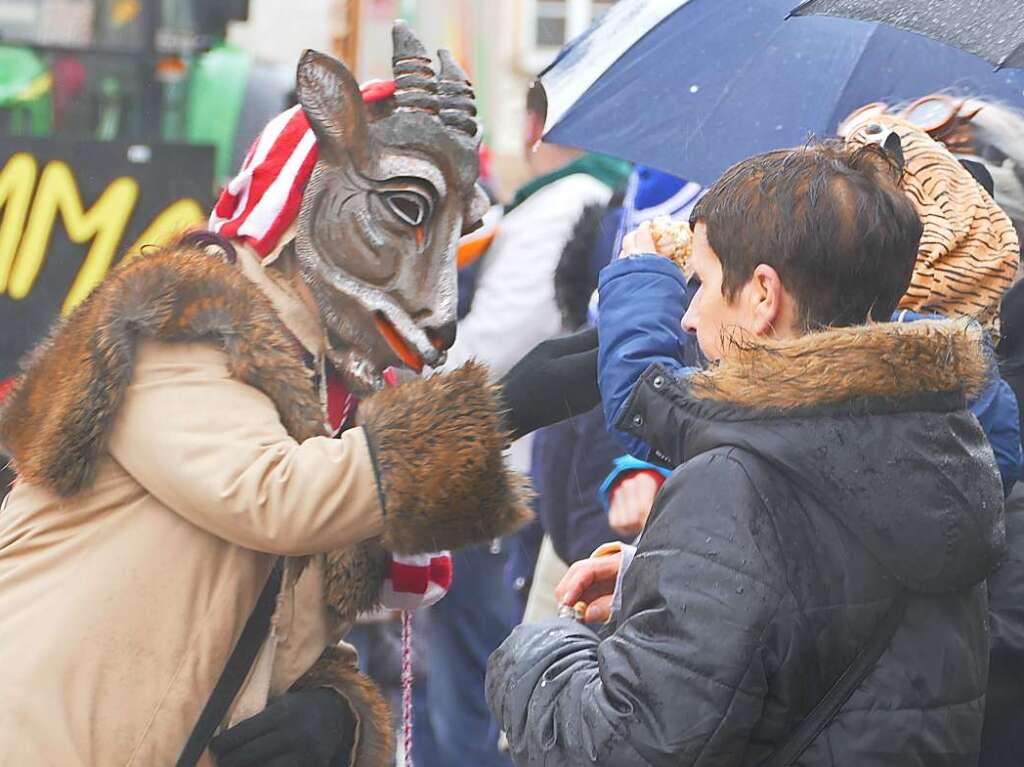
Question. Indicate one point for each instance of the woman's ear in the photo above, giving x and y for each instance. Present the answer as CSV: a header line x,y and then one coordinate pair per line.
x,y
768,300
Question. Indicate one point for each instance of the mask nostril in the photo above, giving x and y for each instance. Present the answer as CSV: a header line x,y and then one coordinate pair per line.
x,y
443,337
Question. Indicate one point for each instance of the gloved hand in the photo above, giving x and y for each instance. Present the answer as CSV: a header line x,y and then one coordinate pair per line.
x,y
312,728
557,379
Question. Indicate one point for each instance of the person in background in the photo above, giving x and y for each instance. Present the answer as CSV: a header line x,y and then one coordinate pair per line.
x,y
628,491
1003,737
570,459
833,494
513,309
997,144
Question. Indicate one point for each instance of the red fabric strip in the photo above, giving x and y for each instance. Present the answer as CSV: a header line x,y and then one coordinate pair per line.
x,y
441,571
409,579
6,385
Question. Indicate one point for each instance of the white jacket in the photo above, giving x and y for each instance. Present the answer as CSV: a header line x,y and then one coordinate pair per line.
x,y
514,304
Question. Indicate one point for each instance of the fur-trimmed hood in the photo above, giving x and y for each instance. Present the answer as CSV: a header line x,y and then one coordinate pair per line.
x,y
890,360
870,421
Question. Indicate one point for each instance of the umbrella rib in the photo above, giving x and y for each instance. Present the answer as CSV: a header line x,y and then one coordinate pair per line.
x,y
833,119
1013,54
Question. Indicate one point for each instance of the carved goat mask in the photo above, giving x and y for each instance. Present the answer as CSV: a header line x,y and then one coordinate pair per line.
x,y
393,189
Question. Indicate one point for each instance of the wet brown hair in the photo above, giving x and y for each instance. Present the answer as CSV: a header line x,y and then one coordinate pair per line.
x,y
829,218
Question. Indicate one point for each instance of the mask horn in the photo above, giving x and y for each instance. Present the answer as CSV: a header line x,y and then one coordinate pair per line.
x,y
458,103
415,83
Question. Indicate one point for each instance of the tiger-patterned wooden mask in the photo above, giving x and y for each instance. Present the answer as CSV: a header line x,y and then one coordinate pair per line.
x,y
969,250
393,189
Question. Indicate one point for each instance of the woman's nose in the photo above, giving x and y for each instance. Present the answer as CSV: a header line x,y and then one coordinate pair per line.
x,y
688,323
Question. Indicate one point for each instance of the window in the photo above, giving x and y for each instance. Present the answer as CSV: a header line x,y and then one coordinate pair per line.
x,y
550,24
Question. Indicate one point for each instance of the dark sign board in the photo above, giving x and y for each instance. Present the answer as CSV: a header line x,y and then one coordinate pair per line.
x,y
69,210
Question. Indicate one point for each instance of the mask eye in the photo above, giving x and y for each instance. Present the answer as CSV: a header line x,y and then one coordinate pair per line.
x,y
410,207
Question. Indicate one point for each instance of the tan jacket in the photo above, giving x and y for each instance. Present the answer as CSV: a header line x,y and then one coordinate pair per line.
x,y
199,479
167,446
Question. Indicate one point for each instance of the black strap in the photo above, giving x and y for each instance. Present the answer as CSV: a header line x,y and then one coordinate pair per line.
x,y
824,712
235,670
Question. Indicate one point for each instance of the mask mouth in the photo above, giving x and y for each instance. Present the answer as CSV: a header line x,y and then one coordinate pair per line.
x,y
402,349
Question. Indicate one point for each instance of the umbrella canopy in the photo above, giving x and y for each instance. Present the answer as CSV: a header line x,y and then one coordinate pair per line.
x,y
992,29
692,86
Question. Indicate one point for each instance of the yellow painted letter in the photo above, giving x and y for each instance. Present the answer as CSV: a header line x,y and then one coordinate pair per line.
x,y
103,223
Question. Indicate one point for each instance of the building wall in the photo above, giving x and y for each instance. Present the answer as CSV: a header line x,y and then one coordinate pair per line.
x,y
278,32
492,39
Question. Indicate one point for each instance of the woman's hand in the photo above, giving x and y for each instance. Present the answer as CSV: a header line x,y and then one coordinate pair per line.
x,y
640,240
631,502
591,581
664,237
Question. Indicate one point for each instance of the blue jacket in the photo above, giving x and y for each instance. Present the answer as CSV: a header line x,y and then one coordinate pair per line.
x,y
569,461
640,309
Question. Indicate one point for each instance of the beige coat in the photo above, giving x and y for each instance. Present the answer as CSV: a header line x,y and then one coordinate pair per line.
x,y
199,479
154,490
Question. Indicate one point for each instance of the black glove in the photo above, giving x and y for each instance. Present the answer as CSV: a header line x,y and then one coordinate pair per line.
x,y
556,380
312,728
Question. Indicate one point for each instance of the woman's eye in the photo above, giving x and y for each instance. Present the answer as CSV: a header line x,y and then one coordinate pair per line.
x,y
412,208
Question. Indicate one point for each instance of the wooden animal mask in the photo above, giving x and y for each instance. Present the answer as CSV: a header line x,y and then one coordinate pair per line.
x,y
393,189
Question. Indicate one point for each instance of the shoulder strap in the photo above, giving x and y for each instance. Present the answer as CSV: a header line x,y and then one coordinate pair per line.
x,y
824,712
235,670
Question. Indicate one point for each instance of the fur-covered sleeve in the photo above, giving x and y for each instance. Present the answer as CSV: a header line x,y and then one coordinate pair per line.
x,y
437,445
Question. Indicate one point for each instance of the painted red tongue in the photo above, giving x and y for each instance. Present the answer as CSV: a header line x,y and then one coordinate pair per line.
x,y
405,353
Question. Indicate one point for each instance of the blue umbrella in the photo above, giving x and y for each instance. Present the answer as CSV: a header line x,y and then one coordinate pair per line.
x,y
692,86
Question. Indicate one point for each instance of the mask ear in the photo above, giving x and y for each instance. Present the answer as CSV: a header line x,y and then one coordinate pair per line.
x,y
981,175
330,97
893,147
478,206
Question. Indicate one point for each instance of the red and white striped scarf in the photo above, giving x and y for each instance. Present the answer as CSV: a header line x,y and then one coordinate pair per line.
x,y
261,202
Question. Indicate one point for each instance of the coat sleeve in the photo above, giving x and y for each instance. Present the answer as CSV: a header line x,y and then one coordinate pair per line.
x,y
641,305
214,450
681,679
996,409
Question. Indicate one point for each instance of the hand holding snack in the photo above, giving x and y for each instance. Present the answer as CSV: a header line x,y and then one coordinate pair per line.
x,y
663,236
587,588
640,240
672,239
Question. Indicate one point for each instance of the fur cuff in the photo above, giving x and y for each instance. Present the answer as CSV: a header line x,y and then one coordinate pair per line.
x,y
352,580
437,445
336,669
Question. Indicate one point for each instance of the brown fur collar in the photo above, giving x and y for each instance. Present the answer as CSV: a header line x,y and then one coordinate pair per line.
x,y
892,360
56,421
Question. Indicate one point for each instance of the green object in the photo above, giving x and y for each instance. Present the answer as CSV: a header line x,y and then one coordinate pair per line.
x,y
25,86
215,95
175,109
610,171
109,123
